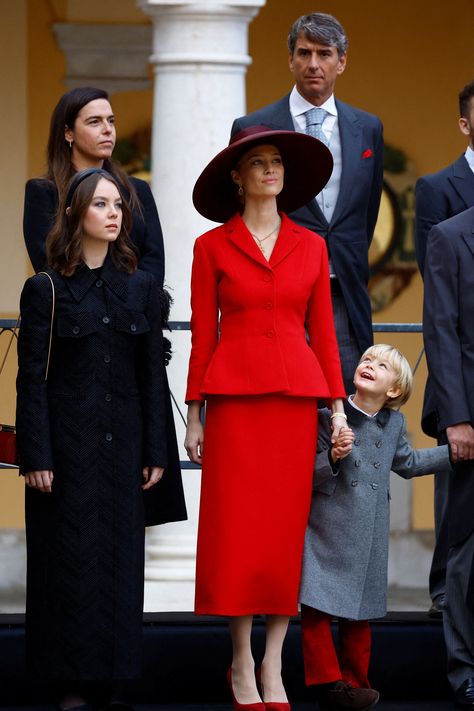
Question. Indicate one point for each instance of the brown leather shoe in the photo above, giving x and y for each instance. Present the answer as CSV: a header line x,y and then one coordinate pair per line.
x,y
346,696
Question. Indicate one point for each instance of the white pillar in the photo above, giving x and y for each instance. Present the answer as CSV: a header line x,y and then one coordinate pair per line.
x,y
200,59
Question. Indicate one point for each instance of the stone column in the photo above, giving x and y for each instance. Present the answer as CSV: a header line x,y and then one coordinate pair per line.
x,y
200,58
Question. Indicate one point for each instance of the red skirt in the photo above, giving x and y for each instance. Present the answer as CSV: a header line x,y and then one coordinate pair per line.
x,y
255,497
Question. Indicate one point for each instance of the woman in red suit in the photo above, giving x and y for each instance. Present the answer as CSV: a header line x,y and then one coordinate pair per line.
x,y
263,350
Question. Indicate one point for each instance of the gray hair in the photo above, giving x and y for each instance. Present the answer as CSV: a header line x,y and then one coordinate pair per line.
x,y
319,27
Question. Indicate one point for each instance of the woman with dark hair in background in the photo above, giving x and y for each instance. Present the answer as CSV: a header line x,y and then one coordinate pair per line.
x,y
91,437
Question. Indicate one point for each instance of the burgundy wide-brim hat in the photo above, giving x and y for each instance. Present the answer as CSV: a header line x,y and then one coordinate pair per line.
x,y
308,166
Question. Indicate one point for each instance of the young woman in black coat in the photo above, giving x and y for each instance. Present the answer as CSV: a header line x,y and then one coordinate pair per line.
x,y
91,438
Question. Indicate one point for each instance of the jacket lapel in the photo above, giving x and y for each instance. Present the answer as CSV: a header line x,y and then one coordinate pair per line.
x,y
468,234
463,181
281,116
288,238
243,240
350,132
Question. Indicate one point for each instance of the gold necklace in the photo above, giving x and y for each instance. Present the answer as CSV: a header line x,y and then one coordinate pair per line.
x,y
259,240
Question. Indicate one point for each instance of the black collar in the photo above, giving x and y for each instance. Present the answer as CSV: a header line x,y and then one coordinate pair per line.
x,y
83,278
356,417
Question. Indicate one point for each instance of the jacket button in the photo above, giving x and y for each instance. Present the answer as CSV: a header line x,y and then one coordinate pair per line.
x,y
267,277
375,486
270,334
107,359
76,330
108,437
99,282
105,319
377,465
269,305
108,397
133,327
354,482
378,444
357,463
356,442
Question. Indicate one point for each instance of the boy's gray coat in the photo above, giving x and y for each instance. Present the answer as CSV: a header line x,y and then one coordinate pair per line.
x,y
346,544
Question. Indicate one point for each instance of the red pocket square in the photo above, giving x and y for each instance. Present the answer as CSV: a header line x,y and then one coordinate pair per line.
x,y
367,154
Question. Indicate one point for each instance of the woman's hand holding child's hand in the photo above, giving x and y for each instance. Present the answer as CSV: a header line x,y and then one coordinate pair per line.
x,y
343,444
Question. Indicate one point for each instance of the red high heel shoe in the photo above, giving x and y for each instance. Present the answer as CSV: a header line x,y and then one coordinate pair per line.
x,y
271,705
260,706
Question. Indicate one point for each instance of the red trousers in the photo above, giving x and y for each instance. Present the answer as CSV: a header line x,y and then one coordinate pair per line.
x,y
322,662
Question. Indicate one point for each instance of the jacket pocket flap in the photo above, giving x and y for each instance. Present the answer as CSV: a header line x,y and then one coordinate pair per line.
x,y
132,322
77,325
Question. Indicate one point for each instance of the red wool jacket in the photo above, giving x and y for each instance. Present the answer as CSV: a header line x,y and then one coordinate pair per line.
x,y
260,345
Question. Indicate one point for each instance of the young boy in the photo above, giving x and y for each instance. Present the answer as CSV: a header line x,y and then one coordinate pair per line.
x,y
346,547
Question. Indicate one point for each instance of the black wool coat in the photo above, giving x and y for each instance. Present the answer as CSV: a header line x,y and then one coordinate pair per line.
x,y
98,419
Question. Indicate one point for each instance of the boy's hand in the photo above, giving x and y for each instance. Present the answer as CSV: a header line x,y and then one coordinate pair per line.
x,y
343,444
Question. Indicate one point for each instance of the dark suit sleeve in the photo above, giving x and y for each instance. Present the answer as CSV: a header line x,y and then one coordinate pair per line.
x,y
151,258
431,208
32,414
41,202
440,328
377,183
152,384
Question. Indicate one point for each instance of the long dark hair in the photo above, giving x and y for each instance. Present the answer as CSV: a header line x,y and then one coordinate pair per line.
x,y
64,242
60,168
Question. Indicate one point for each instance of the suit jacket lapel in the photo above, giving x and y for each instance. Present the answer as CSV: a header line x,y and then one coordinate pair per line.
x,y
468,235
463,181
281,117
350,132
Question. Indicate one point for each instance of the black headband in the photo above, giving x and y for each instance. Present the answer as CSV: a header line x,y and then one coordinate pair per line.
x,y
79,177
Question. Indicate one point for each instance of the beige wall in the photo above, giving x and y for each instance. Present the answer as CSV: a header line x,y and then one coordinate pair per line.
x,y
13,268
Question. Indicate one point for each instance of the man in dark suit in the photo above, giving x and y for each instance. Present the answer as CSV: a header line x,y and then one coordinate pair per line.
x,y
448,320
438,197
345,212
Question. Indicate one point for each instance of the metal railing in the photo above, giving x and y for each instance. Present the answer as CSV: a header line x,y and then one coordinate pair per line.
x,y
9,324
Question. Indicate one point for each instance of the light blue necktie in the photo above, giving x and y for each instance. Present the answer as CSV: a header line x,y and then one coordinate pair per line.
x,y
314,122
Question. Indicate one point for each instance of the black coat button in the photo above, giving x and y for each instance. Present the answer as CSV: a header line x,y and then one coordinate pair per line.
x,y
76,330
99,282
105,319
108,397
133,327
107,359
109,437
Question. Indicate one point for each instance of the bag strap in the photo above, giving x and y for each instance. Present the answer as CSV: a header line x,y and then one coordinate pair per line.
x,y
53,304
9,344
